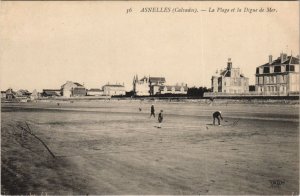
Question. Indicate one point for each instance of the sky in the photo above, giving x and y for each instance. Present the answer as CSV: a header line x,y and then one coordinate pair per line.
x,y
45,44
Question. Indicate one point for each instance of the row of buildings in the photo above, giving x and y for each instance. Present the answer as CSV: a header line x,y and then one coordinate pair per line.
x,y
143,87
149,86
67,90
279,77
75,89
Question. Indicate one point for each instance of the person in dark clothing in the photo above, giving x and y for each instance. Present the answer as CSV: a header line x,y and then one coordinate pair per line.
x,y
152,111
217,115
160,118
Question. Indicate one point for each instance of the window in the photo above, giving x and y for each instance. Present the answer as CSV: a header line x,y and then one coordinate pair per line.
x,y
277,69
266,80
257,70
290,68
266,69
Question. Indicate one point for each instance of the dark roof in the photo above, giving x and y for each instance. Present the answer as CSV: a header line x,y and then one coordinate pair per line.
x,y
3,91
50,93
226,73
78,84
10,91
157,79
294,60
143,78
289,60
68,82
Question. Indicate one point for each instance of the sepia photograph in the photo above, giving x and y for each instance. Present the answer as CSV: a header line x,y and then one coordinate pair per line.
x,y
149,97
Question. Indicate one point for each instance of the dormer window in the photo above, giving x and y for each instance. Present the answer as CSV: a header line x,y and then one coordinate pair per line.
x,y
277,69
290,68
266,70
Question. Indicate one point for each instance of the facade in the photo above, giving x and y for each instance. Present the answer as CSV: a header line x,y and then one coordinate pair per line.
x,y
95,92
34,95
3,94
113,89
72,89
23,93
141,87
10,94
278,77
176,89
230,81
147,85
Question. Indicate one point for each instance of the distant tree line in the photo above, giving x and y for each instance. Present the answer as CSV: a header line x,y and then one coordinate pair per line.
x,y
197,92
194,92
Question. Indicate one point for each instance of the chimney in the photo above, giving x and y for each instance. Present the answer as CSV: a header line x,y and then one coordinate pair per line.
x,y
229,64
283,57
270,59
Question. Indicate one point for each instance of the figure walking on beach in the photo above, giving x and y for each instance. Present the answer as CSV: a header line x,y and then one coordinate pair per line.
x,y
160,118
152,111
217,115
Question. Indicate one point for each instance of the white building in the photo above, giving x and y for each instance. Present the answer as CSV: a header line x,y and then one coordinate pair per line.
x,y
95,92
71,89
230,81
176,89
147,85
278,77
113,89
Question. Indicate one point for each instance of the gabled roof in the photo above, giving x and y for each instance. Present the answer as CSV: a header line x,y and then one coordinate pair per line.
x,y
50,93
226,73
70,82
294,60
76,83
142,79
157,79
10,91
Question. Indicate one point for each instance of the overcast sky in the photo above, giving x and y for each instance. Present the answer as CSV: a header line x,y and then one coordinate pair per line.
x,y
44,44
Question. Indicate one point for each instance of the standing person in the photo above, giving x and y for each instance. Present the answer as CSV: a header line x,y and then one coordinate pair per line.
x,y
152,111
217,115
160,118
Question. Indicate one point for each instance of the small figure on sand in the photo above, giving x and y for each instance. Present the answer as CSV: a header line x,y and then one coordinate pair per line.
x,y
160,118
217,115
140,109
152,111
